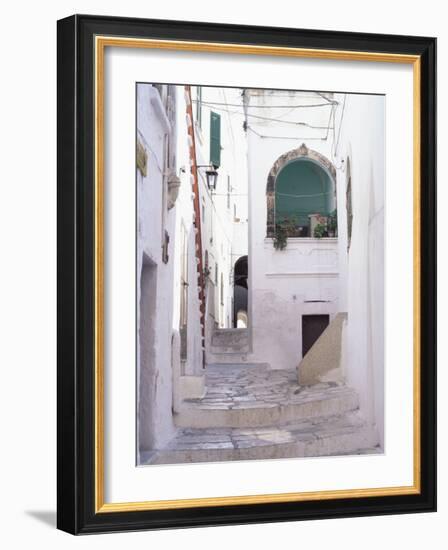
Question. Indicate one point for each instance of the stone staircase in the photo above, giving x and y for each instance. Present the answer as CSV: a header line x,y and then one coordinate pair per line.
x,y
329,435
228,346
230,340
252,412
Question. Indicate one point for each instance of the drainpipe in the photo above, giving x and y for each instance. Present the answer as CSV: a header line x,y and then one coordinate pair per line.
x,y
197,217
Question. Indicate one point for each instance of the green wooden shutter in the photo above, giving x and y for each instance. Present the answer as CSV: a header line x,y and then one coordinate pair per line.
x,y
215,139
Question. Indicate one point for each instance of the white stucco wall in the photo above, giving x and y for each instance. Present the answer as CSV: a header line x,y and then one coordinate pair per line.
x,y
357,286
155,425
285,284
185,218
363,145
161,300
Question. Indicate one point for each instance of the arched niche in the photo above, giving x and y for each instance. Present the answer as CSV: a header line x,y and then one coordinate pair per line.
x,y
302,161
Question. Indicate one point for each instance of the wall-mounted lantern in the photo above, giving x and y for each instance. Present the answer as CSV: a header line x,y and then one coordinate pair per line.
x,y
212,179
211,174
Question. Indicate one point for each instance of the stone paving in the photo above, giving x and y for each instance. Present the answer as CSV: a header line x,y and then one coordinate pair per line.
x,y
305,430
339,434
245,386
241,396
252,412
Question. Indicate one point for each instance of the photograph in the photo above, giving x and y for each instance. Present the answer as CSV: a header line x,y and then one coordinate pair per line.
x,y
259,254
220,263
246,271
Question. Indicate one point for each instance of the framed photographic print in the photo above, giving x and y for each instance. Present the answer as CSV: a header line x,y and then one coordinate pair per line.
x,y
246,274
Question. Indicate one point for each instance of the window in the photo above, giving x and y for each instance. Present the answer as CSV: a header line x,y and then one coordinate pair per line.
x,y
215,139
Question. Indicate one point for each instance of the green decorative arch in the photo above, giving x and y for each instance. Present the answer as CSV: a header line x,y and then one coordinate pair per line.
x,y
316,176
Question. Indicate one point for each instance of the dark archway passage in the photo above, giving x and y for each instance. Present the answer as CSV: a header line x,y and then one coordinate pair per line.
x,y
240,291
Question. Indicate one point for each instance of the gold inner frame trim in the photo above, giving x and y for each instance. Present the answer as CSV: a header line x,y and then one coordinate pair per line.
x,y
101,42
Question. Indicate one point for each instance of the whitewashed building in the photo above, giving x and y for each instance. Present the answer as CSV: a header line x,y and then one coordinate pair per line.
x,y
191,230
156,223
295,289
359,154
220,143
259,250
316,188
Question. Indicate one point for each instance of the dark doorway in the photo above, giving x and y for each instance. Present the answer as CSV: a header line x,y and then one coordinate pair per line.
x,y
312,328
240,291
147,371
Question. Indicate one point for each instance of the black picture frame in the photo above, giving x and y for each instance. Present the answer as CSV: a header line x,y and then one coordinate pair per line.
x,y
76,511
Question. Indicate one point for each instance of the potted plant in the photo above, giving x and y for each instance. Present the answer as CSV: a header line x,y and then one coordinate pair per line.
x,y
332,224
320,231
284,228
280,237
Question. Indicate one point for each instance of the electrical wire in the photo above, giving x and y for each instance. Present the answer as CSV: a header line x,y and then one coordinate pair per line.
x,y
230,195
293,123
330,101
303,106
294,138
333,107
327,128
335,148
303,196
269,119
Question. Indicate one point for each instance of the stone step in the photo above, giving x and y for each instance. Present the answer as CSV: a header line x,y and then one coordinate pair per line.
x,y
218,350
343,434
227,334
250,405
229,340
226,358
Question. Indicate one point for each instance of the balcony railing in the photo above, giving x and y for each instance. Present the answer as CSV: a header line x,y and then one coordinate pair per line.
x,y
319,226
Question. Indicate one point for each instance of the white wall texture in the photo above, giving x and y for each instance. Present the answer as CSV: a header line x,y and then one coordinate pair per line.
x,y
184,217
155,425
28,469
363,145
283,283
162,380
